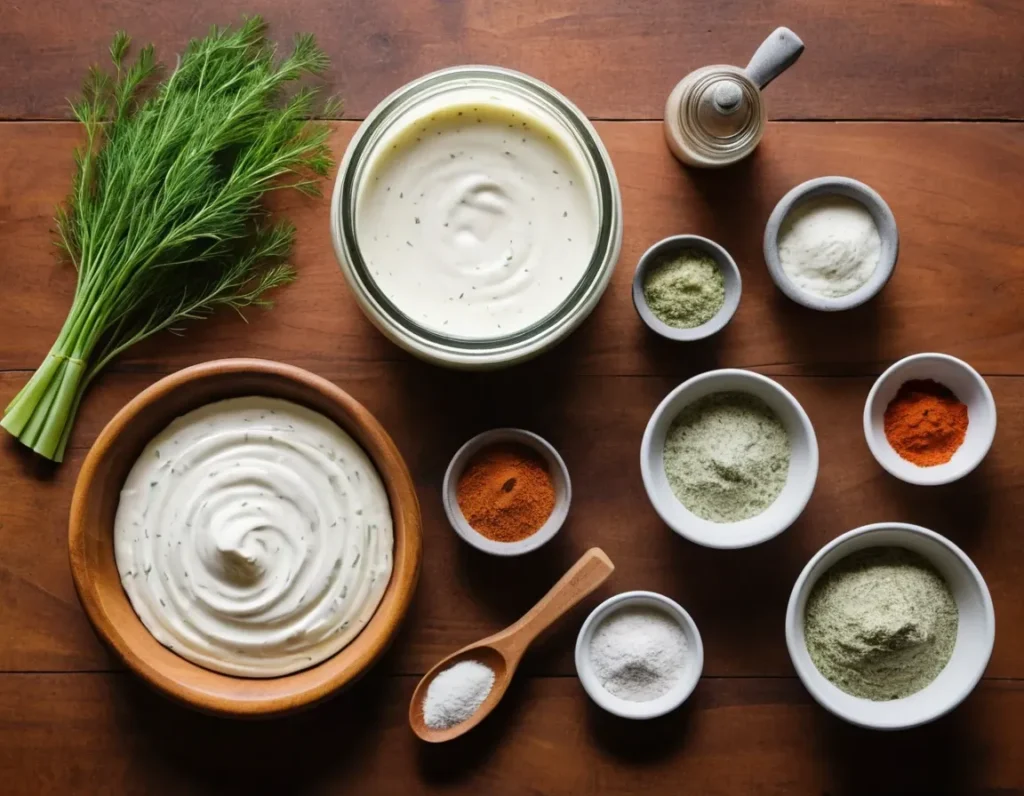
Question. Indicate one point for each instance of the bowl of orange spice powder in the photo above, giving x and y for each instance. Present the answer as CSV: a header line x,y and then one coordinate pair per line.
x,y
930,419
507,491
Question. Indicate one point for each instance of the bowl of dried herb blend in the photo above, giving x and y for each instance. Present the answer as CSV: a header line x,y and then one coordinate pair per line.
x,y
930,419
729,459
686,287
890,626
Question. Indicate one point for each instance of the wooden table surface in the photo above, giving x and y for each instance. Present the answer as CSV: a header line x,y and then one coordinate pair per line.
x,y
922,99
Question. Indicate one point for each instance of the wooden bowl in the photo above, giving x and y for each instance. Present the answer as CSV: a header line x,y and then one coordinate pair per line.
x,y
91,538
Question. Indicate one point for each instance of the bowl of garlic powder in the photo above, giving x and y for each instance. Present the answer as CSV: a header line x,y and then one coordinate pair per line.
x,y
831,244
639,655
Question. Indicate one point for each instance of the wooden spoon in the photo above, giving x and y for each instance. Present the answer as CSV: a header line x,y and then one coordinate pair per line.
x,y
503,651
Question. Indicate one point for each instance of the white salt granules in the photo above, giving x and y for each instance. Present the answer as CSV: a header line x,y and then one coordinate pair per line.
x,y
456,693
638,653
829,245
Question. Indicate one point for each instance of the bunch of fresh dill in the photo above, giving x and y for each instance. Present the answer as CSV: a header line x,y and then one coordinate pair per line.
x,y
164,222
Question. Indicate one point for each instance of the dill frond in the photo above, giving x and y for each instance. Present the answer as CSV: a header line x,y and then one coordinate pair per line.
x,y
165,222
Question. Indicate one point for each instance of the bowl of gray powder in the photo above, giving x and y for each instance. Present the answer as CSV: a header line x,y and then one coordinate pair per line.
x,y
686,288
729,459
890,626
831,243
639,655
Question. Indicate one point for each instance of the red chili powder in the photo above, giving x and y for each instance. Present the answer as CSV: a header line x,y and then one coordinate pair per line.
x,y
925,423
506,492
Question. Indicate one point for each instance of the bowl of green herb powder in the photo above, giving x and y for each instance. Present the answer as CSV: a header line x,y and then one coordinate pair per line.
x,y
686,287
890,626
729,459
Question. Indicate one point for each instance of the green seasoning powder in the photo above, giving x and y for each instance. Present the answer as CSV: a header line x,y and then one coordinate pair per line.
x,y
686,290
881,624
727,456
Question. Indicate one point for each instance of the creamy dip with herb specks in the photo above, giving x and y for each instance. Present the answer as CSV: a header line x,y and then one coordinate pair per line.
x,y
253,537
477,220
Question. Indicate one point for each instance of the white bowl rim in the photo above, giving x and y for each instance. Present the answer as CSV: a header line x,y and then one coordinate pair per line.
x,y
624,708
715,324
798,506
559,473
801,586
940,474
887,230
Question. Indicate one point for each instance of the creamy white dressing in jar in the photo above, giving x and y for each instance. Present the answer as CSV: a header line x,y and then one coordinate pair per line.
x,y
479,271
477,218
253,537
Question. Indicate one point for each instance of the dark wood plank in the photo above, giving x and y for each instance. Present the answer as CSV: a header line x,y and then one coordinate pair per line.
x,y
738,598
105,733
908,60
958,288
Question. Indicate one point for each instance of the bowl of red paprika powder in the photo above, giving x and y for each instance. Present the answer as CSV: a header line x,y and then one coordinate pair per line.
x,y
507,491
930,419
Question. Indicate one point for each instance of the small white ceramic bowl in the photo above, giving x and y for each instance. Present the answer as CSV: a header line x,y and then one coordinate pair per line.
x,y
803,463
969,387
884,220
655,707
975,635
666,248
559,475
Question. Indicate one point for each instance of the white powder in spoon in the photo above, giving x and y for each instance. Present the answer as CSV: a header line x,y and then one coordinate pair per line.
x,y
829,245
638,653
456,694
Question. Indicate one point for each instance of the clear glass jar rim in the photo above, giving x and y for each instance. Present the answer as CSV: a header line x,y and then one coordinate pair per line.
x,y
395,324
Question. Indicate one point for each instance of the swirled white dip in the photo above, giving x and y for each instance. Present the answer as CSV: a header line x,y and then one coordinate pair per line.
x,y
253,537
477,219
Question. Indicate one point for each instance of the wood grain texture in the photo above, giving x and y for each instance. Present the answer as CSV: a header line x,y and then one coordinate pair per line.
x,y
958,286
738,598
733,737
618,60
71,722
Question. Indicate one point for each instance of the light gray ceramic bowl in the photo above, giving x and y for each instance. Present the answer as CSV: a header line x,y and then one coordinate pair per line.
x,y
803,463
659,706
668,247
559,475
969,387
883,218
974,641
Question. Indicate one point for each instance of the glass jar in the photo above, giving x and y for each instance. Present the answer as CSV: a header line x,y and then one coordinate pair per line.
x,y
431,92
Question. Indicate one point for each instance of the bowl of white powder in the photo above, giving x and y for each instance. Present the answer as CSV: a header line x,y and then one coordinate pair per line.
x,y
639,655
831,243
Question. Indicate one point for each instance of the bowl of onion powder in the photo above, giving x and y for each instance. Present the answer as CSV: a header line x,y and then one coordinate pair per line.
x,y
831,243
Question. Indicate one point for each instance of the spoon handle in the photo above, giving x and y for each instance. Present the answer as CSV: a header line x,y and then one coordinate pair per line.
x,y
587,574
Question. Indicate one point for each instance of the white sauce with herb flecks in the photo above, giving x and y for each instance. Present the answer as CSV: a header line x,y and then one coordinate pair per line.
x,y
253,537
478,219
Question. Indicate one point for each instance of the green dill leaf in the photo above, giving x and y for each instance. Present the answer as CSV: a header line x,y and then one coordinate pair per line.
x,y
165,221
